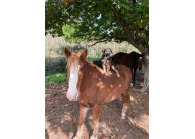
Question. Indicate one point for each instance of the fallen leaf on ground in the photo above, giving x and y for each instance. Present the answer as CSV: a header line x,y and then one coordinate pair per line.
x,y
124,137
56,129
113,136
86,136
140,122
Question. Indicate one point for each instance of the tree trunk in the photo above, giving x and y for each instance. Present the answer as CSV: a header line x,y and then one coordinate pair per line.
x,y
139,45
146,72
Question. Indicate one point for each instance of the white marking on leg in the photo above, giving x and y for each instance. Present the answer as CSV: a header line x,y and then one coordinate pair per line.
x,y
123,115
95,132
82,130
124,111
92,137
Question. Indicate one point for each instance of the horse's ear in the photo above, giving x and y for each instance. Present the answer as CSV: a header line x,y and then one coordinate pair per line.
x,y
84,54
66,52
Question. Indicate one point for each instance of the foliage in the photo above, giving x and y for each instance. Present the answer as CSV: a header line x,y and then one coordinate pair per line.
x,y
68,32
54,65
100,20
56,78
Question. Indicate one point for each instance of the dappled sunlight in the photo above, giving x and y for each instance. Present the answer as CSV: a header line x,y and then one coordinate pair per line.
x,y
100,85
141,122
55,133
66,118
104,128
62,116
133,99
113,97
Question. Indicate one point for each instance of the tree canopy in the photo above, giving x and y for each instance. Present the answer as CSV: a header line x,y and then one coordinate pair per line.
x,y
99,20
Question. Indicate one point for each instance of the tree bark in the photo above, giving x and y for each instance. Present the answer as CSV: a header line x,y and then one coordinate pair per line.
x,y
146,72
142,49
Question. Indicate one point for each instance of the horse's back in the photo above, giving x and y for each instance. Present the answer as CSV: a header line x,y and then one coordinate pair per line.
x,y
115,86
129,60
124,71
100,88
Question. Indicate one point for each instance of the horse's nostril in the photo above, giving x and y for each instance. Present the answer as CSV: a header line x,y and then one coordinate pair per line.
x,y
72,96
76,96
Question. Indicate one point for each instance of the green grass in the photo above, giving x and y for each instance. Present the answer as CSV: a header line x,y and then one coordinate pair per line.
x,y
56,78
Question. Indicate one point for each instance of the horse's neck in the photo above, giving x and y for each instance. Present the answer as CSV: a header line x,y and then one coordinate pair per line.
x,y
91,69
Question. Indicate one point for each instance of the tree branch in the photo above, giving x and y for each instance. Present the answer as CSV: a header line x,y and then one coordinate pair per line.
x,y
96,43
130,38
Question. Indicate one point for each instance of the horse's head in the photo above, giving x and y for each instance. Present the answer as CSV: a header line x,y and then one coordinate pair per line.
x,y
140,62
75,68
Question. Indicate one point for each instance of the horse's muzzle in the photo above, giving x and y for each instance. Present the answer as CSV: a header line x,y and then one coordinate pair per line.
x,y
72,95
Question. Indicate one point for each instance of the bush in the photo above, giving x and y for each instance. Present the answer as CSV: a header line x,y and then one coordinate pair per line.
x,y
56,78
54,65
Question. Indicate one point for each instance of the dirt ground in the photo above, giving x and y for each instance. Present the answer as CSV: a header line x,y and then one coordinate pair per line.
x,y
61,115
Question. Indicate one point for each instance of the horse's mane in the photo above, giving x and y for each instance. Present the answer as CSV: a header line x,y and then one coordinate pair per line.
x,y
94,67
133,52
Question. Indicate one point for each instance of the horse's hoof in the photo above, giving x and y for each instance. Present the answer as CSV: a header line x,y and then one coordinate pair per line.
x,y
118,75
122,116
92,137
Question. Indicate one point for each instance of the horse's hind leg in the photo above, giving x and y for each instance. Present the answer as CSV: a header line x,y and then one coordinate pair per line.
x,y
126,103
135,69
82,115
96,113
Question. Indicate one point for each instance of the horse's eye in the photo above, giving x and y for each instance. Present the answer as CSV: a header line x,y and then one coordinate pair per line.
x,y
81,69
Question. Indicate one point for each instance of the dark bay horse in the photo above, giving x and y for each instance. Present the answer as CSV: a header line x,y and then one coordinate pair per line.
x,y
132,60
89,84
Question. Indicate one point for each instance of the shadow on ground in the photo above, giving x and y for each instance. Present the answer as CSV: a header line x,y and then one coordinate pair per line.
x,y
62,115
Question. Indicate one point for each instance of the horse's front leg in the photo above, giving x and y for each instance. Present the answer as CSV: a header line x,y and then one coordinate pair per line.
x,y
96,113
82,115
134,75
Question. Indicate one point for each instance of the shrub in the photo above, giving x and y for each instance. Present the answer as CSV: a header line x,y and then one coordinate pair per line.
x,y
56,78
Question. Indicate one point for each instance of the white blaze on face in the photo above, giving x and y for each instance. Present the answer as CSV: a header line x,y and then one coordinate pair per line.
x,y
72,93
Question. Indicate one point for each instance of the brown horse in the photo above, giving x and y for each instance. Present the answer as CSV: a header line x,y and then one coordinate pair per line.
x,y
89,84
132,60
